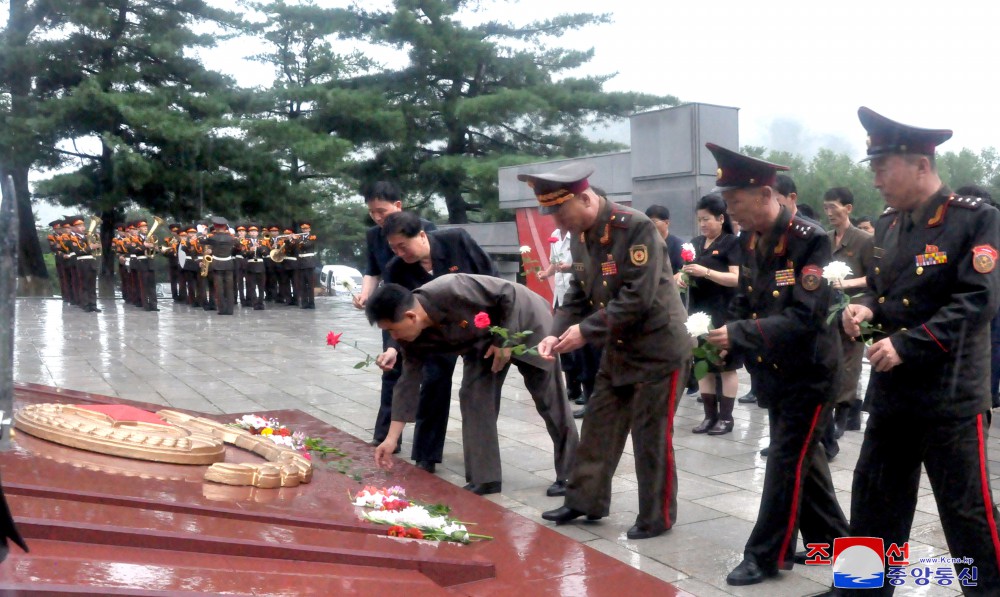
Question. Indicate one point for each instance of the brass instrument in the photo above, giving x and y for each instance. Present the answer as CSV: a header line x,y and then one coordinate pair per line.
x,y
151,237
205,262
278,255
94,237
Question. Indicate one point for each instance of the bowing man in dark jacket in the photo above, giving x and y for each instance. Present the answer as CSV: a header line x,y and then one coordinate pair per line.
x,y
777,326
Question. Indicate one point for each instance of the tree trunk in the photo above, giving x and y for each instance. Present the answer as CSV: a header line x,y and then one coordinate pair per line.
x,y
33,277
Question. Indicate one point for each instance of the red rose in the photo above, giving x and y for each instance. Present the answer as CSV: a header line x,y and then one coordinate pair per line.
x,y
414,533
284,432
397,531
687,255
333,339
482,320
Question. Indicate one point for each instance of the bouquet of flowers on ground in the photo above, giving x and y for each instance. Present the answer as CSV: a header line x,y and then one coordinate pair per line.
x,y
511,340
687,255
283,436
411,520
705,354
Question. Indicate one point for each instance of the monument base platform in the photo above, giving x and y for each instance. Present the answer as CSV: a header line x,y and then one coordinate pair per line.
x,y
104,525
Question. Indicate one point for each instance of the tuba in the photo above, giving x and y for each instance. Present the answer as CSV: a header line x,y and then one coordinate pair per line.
x,y
93,236
205,262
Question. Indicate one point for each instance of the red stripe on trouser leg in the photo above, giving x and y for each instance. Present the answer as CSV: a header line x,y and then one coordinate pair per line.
x,y
987,499
798,487
667,488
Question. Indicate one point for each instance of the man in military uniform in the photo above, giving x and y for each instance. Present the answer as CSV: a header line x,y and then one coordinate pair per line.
x,y
444,316
254,251
777,326
239,268
623,298
270,267
305,275
86,266
854,247
931,293
145,252
220,244
55,247
173,270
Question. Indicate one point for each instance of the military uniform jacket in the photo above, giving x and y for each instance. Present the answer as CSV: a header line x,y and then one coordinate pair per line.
x,y
254,250
306,249
222,244
624,298
934,290
777,320
452,302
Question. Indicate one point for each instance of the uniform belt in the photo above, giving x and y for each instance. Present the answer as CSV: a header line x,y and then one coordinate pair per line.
x,y
141,257
214,258
255,260
238,256
84,256
71,254
306,254
291,258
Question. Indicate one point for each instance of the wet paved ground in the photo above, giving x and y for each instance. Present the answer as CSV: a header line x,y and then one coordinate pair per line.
x,y
278,359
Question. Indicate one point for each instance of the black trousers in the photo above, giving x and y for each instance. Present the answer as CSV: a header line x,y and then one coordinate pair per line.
x,y
798,491
147,284
389,379
255,289
224,291
305,287
953,452
434,408
86,279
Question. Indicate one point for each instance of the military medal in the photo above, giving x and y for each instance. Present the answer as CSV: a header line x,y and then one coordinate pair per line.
x,y
638,254
984,258
931,258
578,266
812,275
785,277
609,267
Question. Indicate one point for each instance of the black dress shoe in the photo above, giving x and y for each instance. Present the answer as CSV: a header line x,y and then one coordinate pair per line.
x,y
764,452
704,426
748,573
557,488
483,488
563,515
578,413
426,465
637,532
747,398
721,427
579,400
800,557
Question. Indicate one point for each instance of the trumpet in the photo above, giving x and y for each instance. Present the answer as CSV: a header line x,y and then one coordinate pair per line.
x,y
292,236
205,262
93,237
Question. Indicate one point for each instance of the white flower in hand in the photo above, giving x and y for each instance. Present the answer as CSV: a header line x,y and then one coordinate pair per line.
x,y
836,272
698,324
525,249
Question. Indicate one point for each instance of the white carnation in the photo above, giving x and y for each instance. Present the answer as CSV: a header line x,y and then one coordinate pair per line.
x,y
687,247
698,324
836,271
525,249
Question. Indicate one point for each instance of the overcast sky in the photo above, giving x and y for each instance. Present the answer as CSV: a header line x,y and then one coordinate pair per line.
x,y
797,69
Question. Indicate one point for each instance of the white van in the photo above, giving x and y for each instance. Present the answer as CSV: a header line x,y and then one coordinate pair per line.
x,y
333,278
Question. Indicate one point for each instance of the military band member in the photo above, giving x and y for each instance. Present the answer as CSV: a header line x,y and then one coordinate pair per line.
x,y
143,256
58,256
239,269
86,266
440,318
255,251
221,245
933,289
191,271
169,251
270,267
286,269
305,274
623,298
777,326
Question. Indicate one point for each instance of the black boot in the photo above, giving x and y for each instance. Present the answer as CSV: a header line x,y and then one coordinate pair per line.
x,y
854,416
725,423
711,414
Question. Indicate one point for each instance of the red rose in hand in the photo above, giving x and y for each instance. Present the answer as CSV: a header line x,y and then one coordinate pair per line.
x,y
333,339
687,255
482,320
